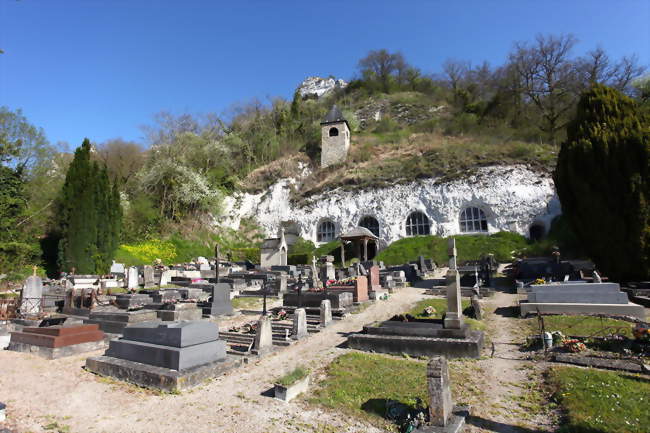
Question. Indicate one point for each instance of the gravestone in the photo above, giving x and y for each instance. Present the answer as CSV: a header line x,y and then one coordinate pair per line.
x,y
281,283
263,336
454,315
32,296
132,278
325,313
148,276
117,268
440,404
177,345
299,329
165,278
220,303
422,264
375,283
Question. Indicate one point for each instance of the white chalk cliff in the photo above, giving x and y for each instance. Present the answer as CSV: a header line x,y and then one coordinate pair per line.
x,y
320,86
513,198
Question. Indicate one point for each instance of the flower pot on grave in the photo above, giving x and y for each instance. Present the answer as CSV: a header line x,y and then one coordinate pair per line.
x,y
289,392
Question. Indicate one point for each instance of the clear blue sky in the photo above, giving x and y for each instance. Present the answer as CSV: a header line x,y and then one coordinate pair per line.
x,y
102,68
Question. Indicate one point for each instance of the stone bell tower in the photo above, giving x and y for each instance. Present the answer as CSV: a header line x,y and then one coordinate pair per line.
x,y
335,138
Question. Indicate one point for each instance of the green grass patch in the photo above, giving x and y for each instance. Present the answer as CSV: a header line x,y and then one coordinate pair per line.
x,y
289,379
439,304
504,245
360,384
582,326
246,303
601,401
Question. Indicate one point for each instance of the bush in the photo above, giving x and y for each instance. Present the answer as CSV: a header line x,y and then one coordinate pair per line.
x,y
241,254
299,259
470,247
603,181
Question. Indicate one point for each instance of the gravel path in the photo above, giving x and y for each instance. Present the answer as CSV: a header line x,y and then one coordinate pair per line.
x,y
60,393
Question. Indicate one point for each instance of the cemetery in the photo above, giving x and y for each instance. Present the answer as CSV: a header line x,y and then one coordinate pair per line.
x,y
461,245
174,329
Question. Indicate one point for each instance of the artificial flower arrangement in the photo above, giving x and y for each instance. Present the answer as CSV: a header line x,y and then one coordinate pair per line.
x,y
350,281
641,332
573,345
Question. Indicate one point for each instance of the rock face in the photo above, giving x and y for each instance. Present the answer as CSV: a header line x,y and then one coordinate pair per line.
x,y
513,198
317,86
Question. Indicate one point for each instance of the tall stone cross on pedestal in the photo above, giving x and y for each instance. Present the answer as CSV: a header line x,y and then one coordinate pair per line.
x,y
454,316
216,262
314,273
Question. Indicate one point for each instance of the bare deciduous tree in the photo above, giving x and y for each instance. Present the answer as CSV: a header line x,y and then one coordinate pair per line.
x,y
548,78
382,65
123,158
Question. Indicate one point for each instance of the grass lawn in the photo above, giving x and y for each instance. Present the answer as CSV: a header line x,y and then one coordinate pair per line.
x,y
582,326
602,402
247,303
359,384
440,305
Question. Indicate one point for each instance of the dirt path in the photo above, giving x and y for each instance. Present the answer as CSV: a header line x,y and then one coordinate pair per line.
x,y
62,395
513,403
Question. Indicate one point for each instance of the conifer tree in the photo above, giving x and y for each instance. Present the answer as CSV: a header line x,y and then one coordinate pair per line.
x,y
603,181
89,220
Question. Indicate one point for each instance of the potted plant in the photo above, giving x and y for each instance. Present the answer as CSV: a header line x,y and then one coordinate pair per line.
x,y
292,384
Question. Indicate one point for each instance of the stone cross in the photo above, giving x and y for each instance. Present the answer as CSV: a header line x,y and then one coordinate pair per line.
x,y
454,315
314,272
440,404
216,262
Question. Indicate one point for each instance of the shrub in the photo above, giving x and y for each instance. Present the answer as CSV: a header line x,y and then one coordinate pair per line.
x,y
603,181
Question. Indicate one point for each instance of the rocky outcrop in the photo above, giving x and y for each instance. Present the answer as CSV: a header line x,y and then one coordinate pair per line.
x,y
512,197
317,86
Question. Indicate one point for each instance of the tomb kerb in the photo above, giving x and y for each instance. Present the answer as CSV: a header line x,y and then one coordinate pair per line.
x,y
454,315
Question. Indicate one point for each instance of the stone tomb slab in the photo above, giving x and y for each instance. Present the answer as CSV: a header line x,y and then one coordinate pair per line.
x,y
180,311
469,347
177,334
416,329
314,299
150,376
176,346
114,322
56,341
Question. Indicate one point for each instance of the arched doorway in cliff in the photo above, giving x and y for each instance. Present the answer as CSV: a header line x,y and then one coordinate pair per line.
x,y
536,231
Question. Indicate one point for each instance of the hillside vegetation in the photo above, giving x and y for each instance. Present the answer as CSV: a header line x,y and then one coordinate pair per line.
x,y
406,124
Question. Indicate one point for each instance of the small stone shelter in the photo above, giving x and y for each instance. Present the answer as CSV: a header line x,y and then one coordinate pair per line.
x,y
364,242
273,251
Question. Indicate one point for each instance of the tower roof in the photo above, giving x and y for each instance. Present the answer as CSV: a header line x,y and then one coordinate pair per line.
x,y
334,116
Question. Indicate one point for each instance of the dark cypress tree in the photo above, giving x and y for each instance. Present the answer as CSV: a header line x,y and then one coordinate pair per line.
x,y
602,179
88,222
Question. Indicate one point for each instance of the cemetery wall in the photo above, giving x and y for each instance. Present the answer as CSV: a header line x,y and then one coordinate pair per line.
x,y
512,197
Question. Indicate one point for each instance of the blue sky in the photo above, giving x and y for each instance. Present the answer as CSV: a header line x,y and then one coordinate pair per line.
x,y
102,69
